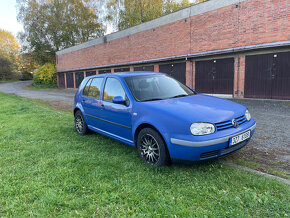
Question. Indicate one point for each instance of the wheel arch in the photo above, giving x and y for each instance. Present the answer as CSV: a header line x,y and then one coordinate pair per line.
x,y
77,109
148,125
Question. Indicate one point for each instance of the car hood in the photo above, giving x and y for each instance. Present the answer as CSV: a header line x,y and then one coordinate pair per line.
x,y
199,108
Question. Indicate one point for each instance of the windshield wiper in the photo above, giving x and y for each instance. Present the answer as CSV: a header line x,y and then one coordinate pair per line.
x,y
178,96
154,99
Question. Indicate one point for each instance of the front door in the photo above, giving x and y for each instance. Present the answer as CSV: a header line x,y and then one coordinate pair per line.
x,y
116,117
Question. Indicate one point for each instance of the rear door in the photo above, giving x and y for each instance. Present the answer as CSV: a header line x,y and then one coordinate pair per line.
x,y
91,101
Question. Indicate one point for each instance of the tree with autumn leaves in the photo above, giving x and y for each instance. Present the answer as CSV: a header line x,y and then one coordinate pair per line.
x,y
126,13
53,25
9,55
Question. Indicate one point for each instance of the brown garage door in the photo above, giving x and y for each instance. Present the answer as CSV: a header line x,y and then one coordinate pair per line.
x,y
90,73
268,76
61,80
69,80
105,71
215,76
144,68
79,78
125,69
176,70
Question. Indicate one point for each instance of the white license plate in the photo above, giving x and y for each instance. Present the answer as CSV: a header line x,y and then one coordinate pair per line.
x,y
239,138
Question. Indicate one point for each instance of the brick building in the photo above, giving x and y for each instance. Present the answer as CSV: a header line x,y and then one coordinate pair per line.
x,y
231,47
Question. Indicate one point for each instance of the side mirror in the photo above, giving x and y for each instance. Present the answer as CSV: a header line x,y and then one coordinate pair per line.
x,y
119,100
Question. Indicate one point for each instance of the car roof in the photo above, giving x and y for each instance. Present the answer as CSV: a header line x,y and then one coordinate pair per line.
x,y
131,74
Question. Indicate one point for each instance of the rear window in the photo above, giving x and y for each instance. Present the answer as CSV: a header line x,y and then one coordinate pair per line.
x,y
86,89
93,87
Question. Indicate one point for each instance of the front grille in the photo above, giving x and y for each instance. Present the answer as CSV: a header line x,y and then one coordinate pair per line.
x,y
209,154
228,124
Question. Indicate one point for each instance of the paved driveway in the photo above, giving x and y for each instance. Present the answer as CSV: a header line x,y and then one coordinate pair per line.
x,y
270,145
271,142
61,99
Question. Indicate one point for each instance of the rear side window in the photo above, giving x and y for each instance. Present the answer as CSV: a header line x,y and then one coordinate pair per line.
x,y
95,87
86,89
112,89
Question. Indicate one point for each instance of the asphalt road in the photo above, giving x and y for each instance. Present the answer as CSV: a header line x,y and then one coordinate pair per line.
x,y
273,127
20,89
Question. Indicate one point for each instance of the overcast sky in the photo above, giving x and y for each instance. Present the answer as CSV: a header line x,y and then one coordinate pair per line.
x,y
8,15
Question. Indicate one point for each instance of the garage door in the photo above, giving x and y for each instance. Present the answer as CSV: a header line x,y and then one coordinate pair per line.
x,y
105,71
215,76
90,73
61,80
268,76
144,68
176,70
79,78
125,69
69,80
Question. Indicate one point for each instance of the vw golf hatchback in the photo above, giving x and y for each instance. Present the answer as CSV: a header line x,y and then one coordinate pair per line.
x,y
161,117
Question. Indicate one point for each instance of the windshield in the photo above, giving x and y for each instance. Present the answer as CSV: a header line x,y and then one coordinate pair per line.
x,y
156,87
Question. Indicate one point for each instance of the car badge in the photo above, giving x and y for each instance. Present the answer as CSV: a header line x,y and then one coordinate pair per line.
x,y
235,123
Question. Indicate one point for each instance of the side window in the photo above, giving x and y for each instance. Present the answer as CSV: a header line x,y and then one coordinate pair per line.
x,y
113,88
95,87
86,89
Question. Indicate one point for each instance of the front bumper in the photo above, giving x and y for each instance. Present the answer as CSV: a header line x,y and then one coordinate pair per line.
x,y
206,149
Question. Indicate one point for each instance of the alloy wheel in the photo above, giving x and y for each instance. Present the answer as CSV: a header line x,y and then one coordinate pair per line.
x,y
150,150
79,122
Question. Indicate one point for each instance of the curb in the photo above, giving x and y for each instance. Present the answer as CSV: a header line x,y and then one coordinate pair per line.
x,y
286,181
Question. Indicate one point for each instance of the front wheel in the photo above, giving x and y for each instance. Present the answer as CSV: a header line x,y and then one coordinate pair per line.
x,y
80,124
151,148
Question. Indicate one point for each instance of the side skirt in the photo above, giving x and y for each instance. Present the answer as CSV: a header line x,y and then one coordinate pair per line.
x,y
113,136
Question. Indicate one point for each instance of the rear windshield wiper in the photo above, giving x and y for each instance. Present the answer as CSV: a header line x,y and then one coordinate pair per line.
x,y
154,99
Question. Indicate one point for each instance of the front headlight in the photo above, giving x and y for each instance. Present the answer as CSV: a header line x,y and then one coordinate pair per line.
x,y
202,128
248,115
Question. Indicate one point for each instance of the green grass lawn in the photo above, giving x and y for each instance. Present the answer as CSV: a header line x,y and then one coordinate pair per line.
x,y
46,169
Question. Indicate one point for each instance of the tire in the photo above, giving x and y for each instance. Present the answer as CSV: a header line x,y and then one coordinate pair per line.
x,y
151,148
80,124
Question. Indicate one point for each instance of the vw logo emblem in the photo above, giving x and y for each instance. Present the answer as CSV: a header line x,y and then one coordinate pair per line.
x,y
235,123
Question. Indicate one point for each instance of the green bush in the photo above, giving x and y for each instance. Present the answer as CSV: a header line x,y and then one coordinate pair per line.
x,y
45,74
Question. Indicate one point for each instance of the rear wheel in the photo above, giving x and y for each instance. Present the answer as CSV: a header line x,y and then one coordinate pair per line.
x,y
80,124
151,148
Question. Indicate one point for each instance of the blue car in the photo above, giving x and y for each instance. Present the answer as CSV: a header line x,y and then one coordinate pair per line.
x,y
161,117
